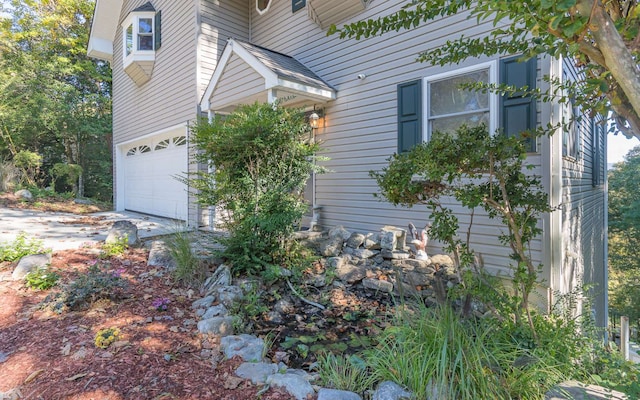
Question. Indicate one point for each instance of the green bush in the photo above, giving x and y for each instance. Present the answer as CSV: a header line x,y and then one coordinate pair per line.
x,y
97,283
20,247
66,174
29,164
114,249
41,279
263,155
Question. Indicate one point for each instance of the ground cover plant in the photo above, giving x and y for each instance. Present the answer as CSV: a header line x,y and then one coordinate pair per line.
x,y
21,246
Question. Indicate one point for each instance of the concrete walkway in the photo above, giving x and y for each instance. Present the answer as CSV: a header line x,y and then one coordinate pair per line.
x,y
60,231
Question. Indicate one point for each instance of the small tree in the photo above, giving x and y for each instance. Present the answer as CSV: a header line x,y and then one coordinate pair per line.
x,y
29,164
68,173
262,156
478,170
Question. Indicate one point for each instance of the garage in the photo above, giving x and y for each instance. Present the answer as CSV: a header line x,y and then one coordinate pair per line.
x,y
150,170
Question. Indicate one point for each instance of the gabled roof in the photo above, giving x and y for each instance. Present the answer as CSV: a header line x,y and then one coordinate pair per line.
x,y
145,7
279,71
103,29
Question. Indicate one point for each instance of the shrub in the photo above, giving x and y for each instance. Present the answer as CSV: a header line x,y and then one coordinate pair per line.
x,y
67,174
41,279
263,155
114,249
20,247
97,283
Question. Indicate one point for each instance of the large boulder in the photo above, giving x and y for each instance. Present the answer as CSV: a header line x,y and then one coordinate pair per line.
x,y
247,347
23,194
160,255
296,385
30,263
123,229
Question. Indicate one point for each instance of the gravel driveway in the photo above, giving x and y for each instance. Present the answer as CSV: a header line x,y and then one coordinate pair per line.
x,y
61,231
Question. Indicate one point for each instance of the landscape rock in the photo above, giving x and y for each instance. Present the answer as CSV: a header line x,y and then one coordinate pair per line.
x,y
388,241
297,386
122,229
215,311
339,232
331,247
222,326
335,262
220,278
256,372
204,302
579,391
30,263
351,273
160,255
378,285
228,295
248,347
85,202
333,394
395,254
442,260
372,241
284,306
355,240
23,194
391,391
364,253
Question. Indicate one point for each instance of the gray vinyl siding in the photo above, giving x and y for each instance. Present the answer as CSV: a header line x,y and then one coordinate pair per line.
x,y
169,97
239,81
361,125
219,21
583,213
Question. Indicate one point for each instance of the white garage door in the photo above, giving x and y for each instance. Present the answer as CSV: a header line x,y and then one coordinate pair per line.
x,y
150,169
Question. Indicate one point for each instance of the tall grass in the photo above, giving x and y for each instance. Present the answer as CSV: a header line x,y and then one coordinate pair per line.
x,y
190,269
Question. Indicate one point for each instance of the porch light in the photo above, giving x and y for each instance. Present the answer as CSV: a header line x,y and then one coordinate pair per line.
x,y
314,120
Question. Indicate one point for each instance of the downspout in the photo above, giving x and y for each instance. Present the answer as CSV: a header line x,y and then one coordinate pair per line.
x,y
210,171
605,229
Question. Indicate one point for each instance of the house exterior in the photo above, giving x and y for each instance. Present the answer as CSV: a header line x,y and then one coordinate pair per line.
x,y
173,61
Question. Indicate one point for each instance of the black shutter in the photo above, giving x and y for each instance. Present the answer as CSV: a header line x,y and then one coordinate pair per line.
x,y
157,39
596,167
517,111
297,5
409,115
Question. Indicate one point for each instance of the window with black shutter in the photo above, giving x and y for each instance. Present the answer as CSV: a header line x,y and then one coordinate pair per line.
x,y
517,110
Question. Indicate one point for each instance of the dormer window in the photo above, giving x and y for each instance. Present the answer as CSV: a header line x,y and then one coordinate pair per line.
x,y
262,6
141,39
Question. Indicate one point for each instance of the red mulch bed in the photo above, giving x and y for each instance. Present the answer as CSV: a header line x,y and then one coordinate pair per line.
x,y
52,356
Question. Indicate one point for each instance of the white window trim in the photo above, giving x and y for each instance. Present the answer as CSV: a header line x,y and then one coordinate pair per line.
x,y
262,12
493,97
138,55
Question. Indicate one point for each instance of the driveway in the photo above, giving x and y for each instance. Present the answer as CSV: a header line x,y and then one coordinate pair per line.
x,y
60,231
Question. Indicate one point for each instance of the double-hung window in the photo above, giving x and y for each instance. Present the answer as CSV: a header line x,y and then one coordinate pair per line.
x,y
449,104
446,101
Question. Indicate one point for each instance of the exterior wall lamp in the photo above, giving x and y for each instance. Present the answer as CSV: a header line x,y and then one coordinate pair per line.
x,y
314,118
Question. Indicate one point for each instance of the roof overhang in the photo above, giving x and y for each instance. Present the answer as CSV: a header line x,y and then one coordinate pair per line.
x,y
103,29
273,81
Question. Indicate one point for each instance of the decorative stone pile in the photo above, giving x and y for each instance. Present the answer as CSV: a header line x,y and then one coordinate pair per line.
x,y
383,262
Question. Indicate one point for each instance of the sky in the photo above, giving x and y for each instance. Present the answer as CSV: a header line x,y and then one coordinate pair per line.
x,y
618,146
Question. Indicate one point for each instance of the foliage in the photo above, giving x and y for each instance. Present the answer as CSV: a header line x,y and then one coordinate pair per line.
x,y
9,175
478,170
601,38
262,156
345,373
20,247
67,174
610,370
250,307
106,336
190,269
41,279
54,99
115,248
97,283
624,236
29,164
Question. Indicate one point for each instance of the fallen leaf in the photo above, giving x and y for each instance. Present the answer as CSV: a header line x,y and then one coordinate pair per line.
x,y
232,382
33,376
174,329
78,376
66,349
